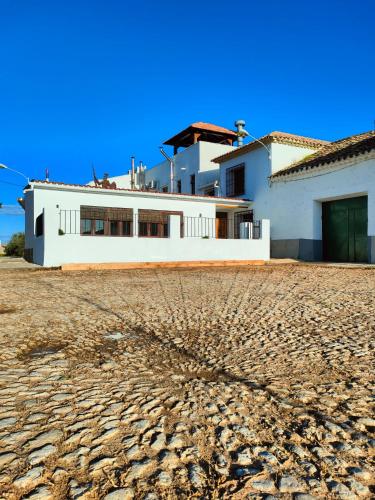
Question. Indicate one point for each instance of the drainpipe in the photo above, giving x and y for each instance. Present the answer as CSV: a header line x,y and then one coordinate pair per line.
x,y
171,167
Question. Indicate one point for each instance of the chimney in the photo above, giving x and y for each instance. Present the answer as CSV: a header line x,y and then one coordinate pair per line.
x,y
241,132
132,175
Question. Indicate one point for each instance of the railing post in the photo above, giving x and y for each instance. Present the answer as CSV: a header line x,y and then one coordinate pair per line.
x,y
135,222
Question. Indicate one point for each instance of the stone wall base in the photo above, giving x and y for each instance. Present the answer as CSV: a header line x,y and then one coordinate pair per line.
x,y
301,249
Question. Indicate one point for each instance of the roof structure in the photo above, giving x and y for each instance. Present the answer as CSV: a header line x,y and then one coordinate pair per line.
x,y
332,152
133,191
278,137
200,131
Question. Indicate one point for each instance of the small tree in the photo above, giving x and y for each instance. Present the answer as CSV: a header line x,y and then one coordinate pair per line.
x,y
16,245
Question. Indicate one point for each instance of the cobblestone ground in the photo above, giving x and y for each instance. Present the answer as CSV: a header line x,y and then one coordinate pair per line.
x,y
220,383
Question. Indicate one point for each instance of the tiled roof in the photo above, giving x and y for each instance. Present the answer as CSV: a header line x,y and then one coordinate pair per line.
x,y
213,128
182,195
207,129
279,137
332,152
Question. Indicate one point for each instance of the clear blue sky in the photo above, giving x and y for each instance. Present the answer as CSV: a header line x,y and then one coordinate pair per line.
x,y
98,81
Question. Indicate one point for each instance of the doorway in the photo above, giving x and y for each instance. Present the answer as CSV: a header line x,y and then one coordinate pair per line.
x,y
221,225
345,230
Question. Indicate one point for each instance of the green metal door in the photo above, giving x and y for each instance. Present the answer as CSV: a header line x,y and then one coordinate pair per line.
x,y
345,230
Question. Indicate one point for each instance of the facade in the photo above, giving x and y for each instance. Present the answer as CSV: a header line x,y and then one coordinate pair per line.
x,y
319,196
193,171
73,224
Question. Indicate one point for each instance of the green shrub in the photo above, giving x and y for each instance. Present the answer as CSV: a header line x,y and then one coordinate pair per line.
x,y
16,245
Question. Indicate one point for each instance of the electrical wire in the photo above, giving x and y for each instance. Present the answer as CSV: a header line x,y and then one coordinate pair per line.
x,y
12,183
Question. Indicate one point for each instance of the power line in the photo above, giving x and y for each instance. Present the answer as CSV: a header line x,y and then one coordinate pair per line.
x,y
12,183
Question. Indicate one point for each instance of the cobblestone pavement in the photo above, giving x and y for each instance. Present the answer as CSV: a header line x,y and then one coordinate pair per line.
x,y
210,383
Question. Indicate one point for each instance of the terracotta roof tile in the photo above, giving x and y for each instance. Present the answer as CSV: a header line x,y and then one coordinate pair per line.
x,y
334,151
278,137
182,195
200,127
213,128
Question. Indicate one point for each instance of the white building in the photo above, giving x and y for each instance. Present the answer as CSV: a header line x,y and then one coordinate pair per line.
x,y
319,196
192,170
78,224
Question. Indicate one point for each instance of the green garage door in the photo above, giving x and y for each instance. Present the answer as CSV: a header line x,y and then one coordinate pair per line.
x,y
345,230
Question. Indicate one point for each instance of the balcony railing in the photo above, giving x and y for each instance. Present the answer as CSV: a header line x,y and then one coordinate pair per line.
x,y
231,228
237,226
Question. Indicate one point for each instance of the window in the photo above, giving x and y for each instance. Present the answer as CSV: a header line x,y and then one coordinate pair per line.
x,y
155,223
114,227
39,225
235,180
210,191
143,228
126,228
99,226
192,184
179,186
151,223
106,221
86,226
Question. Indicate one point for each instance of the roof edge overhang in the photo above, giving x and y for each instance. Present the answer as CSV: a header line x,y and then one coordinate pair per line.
x,y
220,132
270,139
309,171
43,185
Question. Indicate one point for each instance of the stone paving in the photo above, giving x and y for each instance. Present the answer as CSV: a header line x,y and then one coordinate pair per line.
x,y
206,383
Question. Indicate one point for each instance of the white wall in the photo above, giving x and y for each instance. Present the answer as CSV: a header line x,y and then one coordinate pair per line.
x,y
31,241
296,203
53,249
259,165
284,155
196,159
257,171
68,249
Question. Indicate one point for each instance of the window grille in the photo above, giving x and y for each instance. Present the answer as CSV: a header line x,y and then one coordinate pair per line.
x,y
107,221
155,223
235,180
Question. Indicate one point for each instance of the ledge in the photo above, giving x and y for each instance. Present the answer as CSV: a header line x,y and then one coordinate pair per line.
x,y
158,265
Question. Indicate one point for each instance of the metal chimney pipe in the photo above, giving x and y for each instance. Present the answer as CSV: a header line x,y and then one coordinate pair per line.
x,y
132,175
241,132
171,167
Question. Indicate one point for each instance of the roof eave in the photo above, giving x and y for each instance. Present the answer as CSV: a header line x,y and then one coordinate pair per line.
x,y
135,192
269,139
191,129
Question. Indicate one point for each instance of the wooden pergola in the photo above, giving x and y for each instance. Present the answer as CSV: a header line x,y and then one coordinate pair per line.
x,y
200,131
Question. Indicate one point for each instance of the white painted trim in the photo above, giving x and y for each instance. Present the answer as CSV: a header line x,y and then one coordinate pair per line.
x,y
118,192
